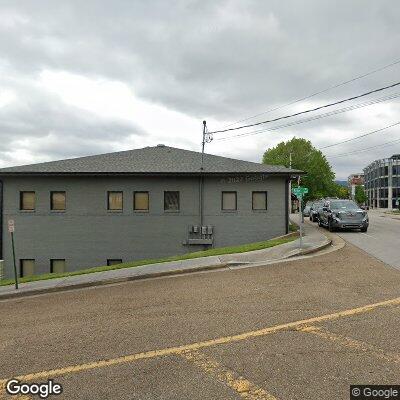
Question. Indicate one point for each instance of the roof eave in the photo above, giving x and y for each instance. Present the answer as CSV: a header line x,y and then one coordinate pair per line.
x,y
199,173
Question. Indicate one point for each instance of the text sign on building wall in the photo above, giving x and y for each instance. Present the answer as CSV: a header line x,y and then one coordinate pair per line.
x,y
11,226
244,178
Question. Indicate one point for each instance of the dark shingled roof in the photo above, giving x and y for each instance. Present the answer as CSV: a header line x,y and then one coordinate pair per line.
x,y
148,160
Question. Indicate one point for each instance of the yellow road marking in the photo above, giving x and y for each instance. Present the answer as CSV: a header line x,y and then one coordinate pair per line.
x,y
199,345
352,343
242,386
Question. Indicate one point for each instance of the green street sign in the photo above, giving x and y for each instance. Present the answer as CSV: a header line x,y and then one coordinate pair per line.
x,y
300,191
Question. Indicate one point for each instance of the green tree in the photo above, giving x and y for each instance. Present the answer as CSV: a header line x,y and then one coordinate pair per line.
x,y
360,197
342,192
319,176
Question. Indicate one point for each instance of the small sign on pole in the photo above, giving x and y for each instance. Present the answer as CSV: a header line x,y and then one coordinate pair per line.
x,y
11,226
11,230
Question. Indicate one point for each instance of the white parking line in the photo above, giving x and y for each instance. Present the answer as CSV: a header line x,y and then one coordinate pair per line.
x,y
373,237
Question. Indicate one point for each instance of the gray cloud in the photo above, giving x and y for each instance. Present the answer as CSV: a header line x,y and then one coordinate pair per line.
x,y
217,59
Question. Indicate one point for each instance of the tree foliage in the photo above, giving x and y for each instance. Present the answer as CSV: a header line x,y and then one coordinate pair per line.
x,y
360,197
343,192
319,176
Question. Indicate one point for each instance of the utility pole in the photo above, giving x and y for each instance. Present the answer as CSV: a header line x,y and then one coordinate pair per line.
x,y
207,138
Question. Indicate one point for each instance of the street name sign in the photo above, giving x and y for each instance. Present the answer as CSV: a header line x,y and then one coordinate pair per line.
x,y
300,191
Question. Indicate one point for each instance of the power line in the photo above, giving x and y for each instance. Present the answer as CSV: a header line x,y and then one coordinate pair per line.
x,y
309,110
316,117
361,136
365,149
319,92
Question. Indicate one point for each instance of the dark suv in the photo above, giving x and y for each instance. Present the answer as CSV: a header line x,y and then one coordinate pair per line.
x,y
337,214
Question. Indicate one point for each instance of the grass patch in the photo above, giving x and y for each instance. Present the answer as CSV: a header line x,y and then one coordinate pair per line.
x,y
396,212
293,227
211,252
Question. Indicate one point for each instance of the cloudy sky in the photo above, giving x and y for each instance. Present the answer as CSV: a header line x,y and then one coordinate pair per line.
x,y
87,77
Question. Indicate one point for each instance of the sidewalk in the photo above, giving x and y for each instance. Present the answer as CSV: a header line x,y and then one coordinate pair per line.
x,y
313,241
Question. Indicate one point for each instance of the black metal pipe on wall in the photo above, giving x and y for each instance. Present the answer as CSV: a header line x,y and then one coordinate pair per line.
x,y
1,219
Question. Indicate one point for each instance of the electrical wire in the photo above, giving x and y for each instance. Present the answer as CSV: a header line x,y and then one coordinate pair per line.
x,y
317,93
309,110
328,114
361,136
365,149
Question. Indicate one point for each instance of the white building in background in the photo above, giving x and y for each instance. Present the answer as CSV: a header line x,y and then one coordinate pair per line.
x,y
354,180
382,182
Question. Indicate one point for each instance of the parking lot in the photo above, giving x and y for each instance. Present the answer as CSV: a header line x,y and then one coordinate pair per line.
x,y
294,330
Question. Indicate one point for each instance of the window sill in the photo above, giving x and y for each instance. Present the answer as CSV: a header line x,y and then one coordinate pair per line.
x,y
58,211
115,211
260,211
171,211
140,211
27,211
229,211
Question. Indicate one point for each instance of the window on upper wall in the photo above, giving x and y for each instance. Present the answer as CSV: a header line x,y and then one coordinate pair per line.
x,y
115,201
57,266
259,201
141,201
229,201
58,201
27,267
27,201
171,201
114,261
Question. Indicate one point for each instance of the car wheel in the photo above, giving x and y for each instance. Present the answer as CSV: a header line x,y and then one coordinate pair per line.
x,y
319,222
330,226
364,229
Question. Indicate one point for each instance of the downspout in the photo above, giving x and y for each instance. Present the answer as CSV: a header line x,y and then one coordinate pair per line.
x,y
1,220
287,204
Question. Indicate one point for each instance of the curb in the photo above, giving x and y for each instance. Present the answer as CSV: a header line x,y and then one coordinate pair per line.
x,y
318,248
66,288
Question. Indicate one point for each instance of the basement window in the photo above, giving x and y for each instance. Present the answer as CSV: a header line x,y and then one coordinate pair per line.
x,y
171,201
114,261
27,201
259,201
57,266
229,201
141,201
27,267
57,201
115,201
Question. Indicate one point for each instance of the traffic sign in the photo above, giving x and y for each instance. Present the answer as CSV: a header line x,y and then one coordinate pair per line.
x,y
11,226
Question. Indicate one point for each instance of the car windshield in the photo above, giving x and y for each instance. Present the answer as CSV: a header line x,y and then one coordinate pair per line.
x,y
344,205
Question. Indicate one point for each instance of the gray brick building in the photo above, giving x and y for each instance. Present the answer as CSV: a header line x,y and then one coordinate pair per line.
x,y
145,203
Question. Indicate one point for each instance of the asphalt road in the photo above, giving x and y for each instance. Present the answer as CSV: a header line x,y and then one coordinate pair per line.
x,y
382,239
297,330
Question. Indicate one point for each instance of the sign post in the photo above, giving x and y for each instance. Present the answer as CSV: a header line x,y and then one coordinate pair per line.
x,y
11,229
299,192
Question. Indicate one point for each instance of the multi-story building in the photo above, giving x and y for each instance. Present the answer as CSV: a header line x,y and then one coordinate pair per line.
x,y
354,180
138,204
382,182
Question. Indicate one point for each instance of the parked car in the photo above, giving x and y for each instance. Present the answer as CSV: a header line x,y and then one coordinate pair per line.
x,y
314,209
343,214
306,210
